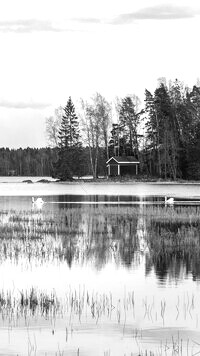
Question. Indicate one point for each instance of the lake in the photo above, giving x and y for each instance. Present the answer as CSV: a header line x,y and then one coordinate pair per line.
x,y
99,274
17,186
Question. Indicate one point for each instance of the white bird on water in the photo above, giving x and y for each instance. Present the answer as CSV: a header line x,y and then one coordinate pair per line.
x,y
169,201
38,203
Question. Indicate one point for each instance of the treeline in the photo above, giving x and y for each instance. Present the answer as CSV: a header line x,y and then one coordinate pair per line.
x,y
40,162
172,132
85,141
26,162
163,134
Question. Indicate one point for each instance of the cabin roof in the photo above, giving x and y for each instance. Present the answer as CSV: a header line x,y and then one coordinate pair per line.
x,y
123,159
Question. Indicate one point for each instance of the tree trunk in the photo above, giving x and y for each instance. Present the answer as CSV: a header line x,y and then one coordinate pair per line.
x,y
158,147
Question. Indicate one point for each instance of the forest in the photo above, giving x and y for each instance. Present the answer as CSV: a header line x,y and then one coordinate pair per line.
x,y
162,133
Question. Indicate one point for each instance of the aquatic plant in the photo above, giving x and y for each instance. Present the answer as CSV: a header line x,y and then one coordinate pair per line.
x,y
101,233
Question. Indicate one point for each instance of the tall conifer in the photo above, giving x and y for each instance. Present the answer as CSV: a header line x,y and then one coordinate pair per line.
x,y
69,154
69,136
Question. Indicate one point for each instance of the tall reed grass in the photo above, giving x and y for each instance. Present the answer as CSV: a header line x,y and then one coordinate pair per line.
x,y
102,233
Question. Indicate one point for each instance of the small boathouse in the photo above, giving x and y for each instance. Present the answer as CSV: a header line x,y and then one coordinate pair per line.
x,y
122,165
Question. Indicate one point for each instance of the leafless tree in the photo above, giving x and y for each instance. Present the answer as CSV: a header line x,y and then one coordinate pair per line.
x,y
96,121
52,127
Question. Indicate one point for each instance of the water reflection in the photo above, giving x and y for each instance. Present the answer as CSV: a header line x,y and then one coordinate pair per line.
x,y
78,270
166,238
175,246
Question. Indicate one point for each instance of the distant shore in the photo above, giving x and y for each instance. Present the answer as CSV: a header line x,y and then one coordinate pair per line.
x,y
90,180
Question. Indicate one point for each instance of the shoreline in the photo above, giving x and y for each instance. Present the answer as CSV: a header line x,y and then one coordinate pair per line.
x,y
128,182
89,180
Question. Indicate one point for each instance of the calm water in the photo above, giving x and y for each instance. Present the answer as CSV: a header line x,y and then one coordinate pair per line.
x,y
16,186
99,275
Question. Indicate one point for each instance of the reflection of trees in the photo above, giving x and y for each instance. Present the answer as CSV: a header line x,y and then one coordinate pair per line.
x,y
100,234
175,249
108,236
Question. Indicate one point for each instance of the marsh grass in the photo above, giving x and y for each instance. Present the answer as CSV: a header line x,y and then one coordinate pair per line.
x,y
171,240
81,306
100,233
27,304
174,346
69,221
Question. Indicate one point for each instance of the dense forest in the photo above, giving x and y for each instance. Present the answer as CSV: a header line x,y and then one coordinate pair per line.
x,y
26,162
163,134
39,162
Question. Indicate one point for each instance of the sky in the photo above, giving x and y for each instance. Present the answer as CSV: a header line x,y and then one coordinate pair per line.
x,y
53,49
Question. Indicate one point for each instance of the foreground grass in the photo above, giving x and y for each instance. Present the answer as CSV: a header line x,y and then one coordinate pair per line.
x,y
170,237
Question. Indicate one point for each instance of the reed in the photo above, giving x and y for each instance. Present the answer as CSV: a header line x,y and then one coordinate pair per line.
x,y
100,233
170,237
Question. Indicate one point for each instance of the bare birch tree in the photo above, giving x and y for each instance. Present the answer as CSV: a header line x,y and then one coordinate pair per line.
x,y
96,121
52,127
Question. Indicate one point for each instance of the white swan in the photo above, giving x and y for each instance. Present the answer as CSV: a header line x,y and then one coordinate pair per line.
x,y
38,203
169,201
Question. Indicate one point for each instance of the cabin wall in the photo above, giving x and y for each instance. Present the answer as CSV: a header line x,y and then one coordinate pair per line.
x,y
113,170
124,170
128,170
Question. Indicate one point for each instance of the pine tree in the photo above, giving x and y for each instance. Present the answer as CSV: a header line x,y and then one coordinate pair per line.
x,y
152,135
168,133
129,120
69,135
114,143
70,148
192,134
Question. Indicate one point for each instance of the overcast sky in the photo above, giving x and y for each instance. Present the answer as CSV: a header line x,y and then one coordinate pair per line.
x,y
51,49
